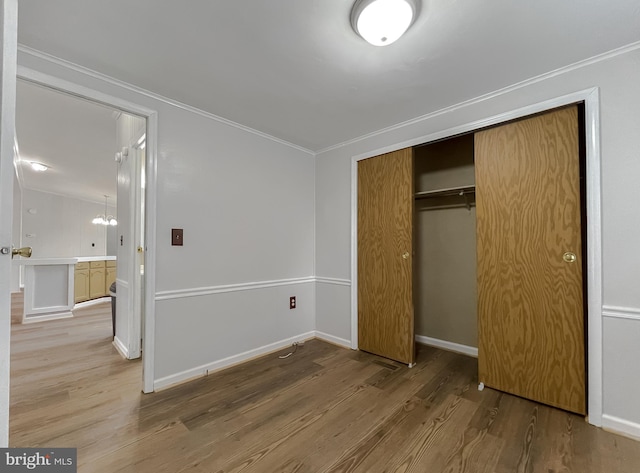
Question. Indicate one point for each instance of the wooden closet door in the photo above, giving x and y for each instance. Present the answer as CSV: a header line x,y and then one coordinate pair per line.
x,y
385,230
530,293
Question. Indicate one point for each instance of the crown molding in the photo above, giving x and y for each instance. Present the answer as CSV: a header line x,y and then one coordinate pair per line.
x,y
505,90
22,49
68,196
488,96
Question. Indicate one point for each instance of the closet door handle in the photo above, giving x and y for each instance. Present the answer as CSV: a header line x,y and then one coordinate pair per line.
x,y
405,255
569,257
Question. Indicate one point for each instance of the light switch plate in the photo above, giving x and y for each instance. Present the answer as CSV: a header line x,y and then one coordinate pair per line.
x,y
176,237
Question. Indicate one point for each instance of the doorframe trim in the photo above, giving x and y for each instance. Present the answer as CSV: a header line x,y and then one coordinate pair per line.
x,y
151,170
591,99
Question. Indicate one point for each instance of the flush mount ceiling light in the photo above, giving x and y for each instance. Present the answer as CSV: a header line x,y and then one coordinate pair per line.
x,y
36,166
382,22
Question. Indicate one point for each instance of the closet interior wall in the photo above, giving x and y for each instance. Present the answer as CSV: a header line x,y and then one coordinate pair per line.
x,y
445,294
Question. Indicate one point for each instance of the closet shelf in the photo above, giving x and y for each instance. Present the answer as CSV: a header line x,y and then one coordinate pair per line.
x,y
451,191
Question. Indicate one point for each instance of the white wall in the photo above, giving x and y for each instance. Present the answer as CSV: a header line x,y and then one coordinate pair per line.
x,y
200,325
112,240
246,204
618,78
61,226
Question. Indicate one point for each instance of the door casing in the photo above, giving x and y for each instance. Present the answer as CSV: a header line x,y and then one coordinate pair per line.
x,y
591,99
151,116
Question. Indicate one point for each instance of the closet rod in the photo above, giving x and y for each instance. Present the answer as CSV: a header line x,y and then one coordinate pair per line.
x,y
444,207
451,191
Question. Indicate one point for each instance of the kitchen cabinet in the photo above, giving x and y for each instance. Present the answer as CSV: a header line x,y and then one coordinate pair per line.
x,y
93,279
97,277
81,282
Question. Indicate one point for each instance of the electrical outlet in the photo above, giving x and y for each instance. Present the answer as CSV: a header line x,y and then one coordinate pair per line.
x,y
292,302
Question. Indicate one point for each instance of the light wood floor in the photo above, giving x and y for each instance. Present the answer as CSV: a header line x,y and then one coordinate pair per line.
x,y
324,408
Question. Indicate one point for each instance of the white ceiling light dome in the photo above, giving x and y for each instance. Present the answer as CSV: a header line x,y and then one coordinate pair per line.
x,y
38,167
382,22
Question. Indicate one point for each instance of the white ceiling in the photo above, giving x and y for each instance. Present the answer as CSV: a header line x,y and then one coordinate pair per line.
x,y
296,70
74,137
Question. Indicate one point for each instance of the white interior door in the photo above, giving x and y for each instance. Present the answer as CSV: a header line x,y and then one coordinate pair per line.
x,y
136,251
129,254
9,21
130,136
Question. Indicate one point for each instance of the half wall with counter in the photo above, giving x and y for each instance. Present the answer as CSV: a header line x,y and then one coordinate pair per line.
x,y
52,286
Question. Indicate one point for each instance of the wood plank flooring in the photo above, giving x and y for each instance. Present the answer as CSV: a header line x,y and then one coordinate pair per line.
x,y
323,409
17,307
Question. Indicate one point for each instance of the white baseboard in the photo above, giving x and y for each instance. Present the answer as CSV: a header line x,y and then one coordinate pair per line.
x,y
41,318
100,300
122,349
621,426
445,345
203,370
333,339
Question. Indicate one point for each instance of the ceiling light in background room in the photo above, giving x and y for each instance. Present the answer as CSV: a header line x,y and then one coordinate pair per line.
x,y
39,167
382,22
105,219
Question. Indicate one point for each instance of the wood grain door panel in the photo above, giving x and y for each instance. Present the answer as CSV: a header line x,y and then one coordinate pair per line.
x,y
530,301
385,230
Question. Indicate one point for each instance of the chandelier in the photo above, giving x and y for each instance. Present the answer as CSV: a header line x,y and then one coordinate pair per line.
x,y
105,219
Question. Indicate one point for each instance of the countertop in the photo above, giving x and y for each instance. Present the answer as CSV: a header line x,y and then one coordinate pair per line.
x,y
82,259
46,261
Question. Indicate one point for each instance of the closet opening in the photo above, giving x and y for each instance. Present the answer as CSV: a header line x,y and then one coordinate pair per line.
x,y
445,295
497,260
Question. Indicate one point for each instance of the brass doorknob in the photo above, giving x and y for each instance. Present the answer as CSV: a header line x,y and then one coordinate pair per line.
x,y
569,257
405,255
24,252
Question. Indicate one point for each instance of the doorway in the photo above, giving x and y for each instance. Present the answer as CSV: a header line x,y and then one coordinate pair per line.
x,y
145,187
73,142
